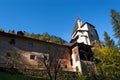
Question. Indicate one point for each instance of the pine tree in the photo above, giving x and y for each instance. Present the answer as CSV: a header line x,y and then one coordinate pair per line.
x,y
116,24
108,41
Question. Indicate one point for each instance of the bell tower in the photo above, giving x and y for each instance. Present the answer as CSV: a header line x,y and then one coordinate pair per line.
x,y
84,33
78,24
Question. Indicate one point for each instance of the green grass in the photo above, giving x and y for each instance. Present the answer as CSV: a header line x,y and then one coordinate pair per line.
x,y
7,76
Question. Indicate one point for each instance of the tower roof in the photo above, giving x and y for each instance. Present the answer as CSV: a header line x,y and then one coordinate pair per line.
x,y
78,23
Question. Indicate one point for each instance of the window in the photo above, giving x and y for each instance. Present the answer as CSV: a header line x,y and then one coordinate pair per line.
x,y
65,66
92,33
45,57
12,41
30,45
71,61
83,55
77,69
33,57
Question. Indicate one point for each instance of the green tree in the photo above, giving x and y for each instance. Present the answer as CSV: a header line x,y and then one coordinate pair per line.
x,y
52,63
108,41
107,60
13,58
115,16
26,34
116,22
11,31
1,30
46,37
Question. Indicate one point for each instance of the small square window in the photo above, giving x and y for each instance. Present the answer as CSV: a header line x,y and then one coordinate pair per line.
x,y
33,57
12,41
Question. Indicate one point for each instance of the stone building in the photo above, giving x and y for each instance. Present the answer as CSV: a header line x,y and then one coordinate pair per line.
x,y
76,55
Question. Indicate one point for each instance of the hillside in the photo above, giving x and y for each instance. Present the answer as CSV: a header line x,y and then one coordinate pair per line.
x,y
44,37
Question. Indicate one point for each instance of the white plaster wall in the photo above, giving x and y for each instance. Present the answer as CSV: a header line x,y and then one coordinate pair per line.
x,y
76,63
86,31
83,37
76,60
79,22
85,27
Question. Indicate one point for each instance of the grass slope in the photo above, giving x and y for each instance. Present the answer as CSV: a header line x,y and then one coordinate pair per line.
x,y
7,76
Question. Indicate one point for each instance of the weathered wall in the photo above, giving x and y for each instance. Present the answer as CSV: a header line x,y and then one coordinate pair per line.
x,y
76,59
88,67
27,47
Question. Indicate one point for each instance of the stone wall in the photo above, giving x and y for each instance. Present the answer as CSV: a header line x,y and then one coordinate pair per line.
x,y
88,67
29,49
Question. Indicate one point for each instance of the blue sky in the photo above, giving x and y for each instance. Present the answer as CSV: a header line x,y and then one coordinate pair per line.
x,y
57,17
